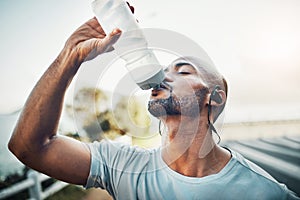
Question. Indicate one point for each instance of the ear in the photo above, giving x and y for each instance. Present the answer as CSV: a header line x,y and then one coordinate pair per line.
x,y
218,97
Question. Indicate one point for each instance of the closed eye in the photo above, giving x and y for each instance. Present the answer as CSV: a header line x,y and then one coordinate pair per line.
x,y
184,73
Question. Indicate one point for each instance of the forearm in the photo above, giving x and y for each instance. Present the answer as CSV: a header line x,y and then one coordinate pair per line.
x,y
40,116
34,139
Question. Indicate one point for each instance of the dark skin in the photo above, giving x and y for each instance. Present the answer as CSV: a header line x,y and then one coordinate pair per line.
x,y
189,147
35,141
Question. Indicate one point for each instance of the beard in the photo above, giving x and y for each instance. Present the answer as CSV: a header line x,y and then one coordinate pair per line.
x,y
188,106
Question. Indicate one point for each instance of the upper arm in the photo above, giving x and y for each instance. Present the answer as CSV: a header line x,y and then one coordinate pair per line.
x,y
63,158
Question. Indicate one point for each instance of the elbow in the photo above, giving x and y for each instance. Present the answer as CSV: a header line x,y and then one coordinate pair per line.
x,y
15,146
12,147
23,150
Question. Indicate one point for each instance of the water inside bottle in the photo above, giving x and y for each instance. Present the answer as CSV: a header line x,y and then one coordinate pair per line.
x,y
144,67
115,14
132,46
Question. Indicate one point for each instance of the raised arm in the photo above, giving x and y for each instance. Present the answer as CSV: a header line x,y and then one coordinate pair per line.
x,y
34,140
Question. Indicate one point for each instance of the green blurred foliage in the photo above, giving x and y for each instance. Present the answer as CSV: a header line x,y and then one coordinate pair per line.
x,y
95,115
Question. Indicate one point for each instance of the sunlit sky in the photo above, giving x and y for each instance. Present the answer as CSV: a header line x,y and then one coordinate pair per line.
x,y
255,44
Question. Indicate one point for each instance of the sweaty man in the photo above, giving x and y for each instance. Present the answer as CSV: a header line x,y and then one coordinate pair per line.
x,y
189,165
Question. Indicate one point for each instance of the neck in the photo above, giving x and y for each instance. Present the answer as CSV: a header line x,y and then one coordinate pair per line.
x,y
189,148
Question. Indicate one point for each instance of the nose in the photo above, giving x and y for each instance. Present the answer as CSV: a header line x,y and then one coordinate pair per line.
x,y
166,81
168,78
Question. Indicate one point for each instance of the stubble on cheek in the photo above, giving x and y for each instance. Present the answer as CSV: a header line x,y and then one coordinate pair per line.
x,y
163,107
188,105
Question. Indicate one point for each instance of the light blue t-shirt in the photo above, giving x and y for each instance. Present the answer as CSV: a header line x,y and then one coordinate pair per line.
x,y
128,172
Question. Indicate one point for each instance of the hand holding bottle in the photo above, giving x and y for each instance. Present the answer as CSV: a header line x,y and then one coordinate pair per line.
x,y
89,40
132,46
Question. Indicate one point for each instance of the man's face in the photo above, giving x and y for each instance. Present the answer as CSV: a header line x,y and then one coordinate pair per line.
x,y
183,94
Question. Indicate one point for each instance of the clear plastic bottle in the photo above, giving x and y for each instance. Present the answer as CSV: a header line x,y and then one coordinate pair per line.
x,y
132,46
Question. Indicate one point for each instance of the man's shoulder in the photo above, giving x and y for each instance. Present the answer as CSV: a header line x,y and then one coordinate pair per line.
x,y
251,167
256,178
116,152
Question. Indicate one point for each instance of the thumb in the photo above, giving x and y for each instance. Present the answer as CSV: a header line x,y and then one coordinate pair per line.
x,y
99,46
111,39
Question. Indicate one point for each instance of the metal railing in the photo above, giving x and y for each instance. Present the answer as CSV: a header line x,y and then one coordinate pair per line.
x,y
33,184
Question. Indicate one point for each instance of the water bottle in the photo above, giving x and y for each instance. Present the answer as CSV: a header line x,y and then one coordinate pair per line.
x,y
132,46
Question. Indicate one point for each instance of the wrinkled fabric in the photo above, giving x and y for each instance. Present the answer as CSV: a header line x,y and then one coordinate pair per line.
x,y
128,172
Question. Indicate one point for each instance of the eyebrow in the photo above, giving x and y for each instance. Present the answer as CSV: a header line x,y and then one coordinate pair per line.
x,y
180,64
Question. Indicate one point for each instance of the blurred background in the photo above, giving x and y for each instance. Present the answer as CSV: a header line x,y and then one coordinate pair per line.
x,y
255,44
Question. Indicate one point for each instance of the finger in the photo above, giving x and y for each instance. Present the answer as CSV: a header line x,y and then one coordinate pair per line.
x,y
131,7
105,45
93,23
92,33
99,46
84,35
112,38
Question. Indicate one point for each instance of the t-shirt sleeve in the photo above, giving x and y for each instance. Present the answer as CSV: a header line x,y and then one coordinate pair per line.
x,y
98,168
112,160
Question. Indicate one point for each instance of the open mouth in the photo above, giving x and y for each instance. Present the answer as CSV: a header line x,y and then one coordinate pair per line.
x,y
155,93
160,87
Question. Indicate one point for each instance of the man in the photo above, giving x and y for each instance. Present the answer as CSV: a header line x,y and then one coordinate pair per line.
x,y
188,166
